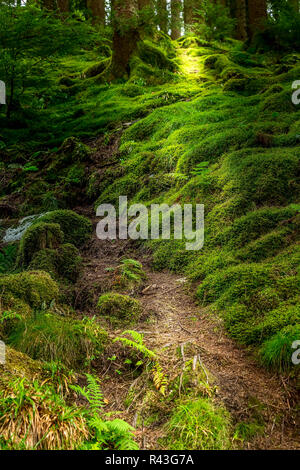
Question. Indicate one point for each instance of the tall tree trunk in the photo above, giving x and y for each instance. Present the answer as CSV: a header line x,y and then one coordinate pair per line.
x,y
162,15
63,5
241,16
175,19
257,15
49,5
125,36
188,14
97,8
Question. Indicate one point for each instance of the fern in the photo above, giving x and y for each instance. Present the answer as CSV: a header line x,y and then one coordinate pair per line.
x,y
159,379
136,343
108,435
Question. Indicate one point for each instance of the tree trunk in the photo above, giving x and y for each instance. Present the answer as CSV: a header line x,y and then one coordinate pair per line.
x,y
49,5
241,16
97,8
257,15
175,19
162,15
188,14
63,6
125,36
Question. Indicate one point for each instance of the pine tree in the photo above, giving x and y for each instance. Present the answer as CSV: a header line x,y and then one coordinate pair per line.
x,y
241,16
125,35
175,19
257,15
97,8
162,15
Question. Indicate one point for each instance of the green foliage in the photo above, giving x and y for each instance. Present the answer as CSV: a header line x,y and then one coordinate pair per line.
x,y
128,275
117,307
32,415
33,287
8,256
276,352
146,355
282,28
198,425
50,337
26,54
136,343
107,434
215,21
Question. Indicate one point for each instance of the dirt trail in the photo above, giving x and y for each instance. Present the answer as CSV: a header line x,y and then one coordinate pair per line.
x,y
171,321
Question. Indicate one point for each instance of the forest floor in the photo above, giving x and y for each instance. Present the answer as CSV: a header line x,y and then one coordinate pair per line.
x,y
173,322
177,329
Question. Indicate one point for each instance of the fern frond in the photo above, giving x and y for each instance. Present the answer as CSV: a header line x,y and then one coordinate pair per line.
x,y
159,379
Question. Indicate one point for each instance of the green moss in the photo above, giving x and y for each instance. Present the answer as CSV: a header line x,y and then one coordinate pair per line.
x,y
97,69
280,102
65,262
51,337
76,228
118,307
155,56
33,287
39,236
198,425
276,353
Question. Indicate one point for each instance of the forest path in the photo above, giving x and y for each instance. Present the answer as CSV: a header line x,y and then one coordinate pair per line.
x,y
190,65
178,329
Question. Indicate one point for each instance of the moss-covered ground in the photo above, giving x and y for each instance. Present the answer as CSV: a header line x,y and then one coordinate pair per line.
x,y
195,123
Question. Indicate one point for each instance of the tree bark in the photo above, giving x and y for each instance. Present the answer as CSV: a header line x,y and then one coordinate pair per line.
x,y
188,14
175,19
257,15
241,16
97,8
125,35
162,15
63,6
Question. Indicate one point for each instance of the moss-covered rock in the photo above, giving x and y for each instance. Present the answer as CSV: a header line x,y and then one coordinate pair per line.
x,y
118,307
32,287
63,263
76,228
39,236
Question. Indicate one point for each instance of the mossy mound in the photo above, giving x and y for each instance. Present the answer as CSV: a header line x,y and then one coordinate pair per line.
x,y
118,307
33,287
76,228
38,237
154,55
51,337
73,150
276,353
97,69
63,263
